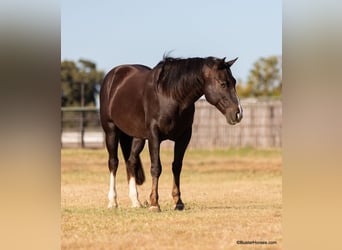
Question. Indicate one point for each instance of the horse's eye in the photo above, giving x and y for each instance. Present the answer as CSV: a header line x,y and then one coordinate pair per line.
x,y
223,85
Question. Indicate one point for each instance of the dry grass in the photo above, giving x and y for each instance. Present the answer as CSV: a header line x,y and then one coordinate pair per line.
x,y
229,195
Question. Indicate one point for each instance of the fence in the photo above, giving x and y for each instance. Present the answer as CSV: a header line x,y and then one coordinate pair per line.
x,y
260,127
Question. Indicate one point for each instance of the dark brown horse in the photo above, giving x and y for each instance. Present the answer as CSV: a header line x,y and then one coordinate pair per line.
x,y
139,103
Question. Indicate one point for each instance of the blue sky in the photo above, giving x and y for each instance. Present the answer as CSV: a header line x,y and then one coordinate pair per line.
x,y
131,31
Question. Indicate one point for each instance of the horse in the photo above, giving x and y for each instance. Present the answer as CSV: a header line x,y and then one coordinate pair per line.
x,y
138,103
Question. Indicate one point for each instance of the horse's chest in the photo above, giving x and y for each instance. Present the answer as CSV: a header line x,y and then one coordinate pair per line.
x,y
173,125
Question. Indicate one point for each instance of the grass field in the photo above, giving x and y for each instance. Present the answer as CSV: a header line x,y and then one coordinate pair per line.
x,y
229,195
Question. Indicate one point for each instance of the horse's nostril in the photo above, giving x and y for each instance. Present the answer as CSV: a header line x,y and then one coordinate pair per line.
x,y
238,116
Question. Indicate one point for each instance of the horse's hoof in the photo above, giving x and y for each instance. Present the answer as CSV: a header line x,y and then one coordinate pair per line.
x,y
179,206
145,204
137,205
154,209
110,205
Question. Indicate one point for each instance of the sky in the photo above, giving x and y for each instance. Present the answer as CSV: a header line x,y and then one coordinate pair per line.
x,y
111,33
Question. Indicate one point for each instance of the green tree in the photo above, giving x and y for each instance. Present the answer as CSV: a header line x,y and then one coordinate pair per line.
x,y
73,76
264,79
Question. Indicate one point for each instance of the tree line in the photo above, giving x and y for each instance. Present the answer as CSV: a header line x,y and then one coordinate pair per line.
x,y
81,81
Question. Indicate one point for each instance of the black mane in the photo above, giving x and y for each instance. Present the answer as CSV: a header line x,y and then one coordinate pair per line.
x,y
179,76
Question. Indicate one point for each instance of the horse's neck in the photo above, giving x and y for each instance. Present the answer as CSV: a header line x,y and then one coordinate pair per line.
x,y
191,97
188,95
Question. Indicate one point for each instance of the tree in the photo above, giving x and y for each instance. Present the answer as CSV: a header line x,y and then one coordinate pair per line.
x,y
73,76
264,79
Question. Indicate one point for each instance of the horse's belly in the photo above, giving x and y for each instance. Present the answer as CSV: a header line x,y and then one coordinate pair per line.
x,y
131,126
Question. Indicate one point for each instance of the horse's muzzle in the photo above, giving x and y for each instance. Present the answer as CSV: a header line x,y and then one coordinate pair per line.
x,y
234,117
239,114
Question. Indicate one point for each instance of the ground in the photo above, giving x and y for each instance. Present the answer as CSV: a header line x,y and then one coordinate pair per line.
x,y
230,195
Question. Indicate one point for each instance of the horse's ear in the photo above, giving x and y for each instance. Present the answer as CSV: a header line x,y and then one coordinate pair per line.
x,y
221,64
231,62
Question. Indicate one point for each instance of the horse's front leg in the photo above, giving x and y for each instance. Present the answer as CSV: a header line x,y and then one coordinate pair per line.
x,y
179,150
156,169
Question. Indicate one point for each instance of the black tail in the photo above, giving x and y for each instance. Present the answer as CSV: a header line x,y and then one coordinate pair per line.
x,y
126,143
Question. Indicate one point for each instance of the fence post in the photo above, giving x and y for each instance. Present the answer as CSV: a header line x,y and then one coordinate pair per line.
x,y
82,128
82,115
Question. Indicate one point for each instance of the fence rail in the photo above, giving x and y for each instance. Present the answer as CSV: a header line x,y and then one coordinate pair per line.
x,y
260,127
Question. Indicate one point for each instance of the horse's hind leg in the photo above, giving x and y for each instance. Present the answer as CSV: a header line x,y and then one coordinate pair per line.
x,y
112,139
131,164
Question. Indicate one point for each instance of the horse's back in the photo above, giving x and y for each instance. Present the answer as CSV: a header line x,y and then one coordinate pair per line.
x,y
122,97
119,74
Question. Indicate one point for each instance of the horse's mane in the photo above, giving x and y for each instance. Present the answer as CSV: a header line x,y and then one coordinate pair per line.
x,y
178,76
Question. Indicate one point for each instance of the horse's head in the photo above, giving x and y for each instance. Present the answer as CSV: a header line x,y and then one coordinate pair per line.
x,y
219,89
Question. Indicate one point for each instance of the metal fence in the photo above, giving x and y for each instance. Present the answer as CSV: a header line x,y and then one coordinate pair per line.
x,y
260,127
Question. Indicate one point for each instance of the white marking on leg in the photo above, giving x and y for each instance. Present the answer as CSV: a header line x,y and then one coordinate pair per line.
x,y
133,193
112,192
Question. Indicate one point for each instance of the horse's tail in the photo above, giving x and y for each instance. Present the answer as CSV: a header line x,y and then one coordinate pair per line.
x,y
126,143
